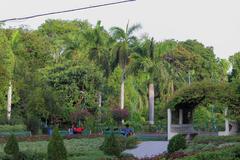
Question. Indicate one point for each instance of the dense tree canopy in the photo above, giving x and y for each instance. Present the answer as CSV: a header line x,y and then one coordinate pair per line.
x,y
68,67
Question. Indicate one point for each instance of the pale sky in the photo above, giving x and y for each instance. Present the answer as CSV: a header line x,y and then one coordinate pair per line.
x,y
213,22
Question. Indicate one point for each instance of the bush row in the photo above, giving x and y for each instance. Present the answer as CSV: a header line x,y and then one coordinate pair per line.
x,y
230,153
12,128
215,139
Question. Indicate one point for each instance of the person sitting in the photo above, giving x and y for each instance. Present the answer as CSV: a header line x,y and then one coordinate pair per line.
x,y
127,131
77,130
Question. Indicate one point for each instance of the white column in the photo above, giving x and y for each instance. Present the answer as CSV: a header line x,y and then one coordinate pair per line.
x,y
180,116
169,115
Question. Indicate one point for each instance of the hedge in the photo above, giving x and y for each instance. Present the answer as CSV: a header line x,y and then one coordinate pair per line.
x,y
12,128
231,153
215,139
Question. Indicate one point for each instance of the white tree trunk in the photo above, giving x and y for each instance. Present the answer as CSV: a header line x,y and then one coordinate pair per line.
x,y
99,99
151,103
9,101
122,90
122,95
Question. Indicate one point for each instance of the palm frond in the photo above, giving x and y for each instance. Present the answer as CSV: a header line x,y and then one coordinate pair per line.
x,y
133,29
117,33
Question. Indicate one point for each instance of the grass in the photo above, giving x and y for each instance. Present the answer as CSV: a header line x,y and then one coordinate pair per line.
x,y
84,149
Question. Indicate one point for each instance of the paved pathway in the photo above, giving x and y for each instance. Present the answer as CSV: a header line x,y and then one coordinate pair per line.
x,y
148,149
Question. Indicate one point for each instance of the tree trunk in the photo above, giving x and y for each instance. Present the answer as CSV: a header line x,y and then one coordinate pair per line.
x,y
9,101
122,94
122,90
99,99
151,103
189,78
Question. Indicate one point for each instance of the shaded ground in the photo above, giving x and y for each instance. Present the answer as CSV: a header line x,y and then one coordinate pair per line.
x,y
148,149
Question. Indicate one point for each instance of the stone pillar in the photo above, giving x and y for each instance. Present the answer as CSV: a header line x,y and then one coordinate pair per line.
x,y
169,116
180,116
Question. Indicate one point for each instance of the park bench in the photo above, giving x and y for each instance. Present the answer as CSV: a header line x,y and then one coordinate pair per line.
x,y
17,134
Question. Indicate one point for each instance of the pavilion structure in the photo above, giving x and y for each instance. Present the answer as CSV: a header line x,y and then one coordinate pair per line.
x,y
180,122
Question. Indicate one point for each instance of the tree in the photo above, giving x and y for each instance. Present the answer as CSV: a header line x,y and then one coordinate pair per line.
x,y
235,61
12,147
145,61
7,62
56,149
124,39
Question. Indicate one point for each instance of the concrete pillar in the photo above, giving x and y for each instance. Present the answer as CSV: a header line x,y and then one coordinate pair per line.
x,y
169,116
180,116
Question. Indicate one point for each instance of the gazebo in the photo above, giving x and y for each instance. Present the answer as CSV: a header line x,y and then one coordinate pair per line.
x,y
182,104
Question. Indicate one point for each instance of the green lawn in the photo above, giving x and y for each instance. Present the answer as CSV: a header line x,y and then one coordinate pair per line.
x,y
84,149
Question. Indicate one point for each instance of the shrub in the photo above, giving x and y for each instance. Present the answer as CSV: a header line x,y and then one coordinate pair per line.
x,y
56,149
12,128
11,147
80,115
119,114
114,145
131,142
111,146
33,124
176,143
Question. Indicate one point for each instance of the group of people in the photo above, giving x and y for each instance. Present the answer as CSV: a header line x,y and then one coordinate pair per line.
x,y
75,129
127,131
124,131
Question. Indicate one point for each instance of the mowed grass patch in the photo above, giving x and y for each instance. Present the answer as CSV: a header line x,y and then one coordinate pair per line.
x,y
84,149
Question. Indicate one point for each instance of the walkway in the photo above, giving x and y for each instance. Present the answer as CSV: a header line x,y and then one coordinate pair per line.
x,y
148,149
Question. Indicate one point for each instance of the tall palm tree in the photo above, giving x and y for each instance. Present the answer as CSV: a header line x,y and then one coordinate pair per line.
x,y
124,39
144,61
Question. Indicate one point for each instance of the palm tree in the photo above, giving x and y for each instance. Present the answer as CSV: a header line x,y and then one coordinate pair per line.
x,y
124,39
144,61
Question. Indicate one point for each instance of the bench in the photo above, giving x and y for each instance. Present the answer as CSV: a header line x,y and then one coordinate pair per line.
x,y
17,134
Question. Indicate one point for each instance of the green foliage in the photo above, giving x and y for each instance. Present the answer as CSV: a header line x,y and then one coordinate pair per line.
x,y
204,93
7,62
12,147
131,142
176,143
12,128
230,153
115,144
201,118
61,67
33,124
83,148
111,146
215,139
56,148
